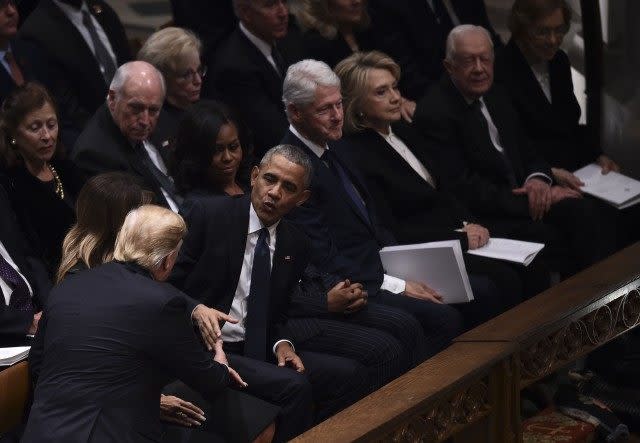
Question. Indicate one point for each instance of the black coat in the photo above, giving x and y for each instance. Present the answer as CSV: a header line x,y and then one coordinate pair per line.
x,y
553,127
344,243
14,324
110,339
32,63
473,169
411,208
332,51
77,82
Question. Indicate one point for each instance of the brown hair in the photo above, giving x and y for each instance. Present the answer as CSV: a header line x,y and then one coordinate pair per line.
x,y
354,74
101,207
315,14
21,101
526,12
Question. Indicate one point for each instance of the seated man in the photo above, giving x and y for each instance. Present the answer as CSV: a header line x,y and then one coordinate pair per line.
x,y
242,259
117,136
491,166
24,283
112,336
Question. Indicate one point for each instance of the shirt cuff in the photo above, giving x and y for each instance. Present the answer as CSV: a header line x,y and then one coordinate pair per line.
x,y
280,341
194,310
548,179
392,284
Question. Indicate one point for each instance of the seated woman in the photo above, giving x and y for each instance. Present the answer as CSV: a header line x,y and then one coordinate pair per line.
x,y
334,29
403,180
100,364
537,75
102,206
175,52
42,184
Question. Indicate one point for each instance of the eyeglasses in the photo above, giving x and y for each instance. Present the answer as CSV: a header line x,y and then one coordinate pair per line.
x,y
190,74
543,32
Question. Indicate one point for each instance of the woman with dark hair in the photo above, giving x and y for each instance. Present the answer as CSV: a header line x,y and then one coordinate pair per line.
x,y
43,185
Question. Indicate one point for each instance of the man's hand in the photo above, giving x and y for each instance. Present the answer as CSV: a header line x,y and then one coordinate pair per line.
x,y
566,178
607,164
407,109
539,194
477,235
208,321
33,328
286,357
175,410
419,290
221,358
346,296
560,193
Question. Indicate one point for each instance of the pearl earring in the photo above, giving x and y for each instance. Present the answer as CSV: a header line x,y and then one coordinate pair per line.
x,y
13,141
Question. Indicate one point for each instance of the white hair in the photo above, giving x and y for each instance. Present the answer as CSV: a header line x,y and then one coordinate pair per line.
x,y
458,32
128,70
302,80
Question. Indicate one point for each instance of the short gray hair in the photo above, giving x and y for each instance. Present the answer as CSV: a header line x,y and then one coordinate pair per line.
x,y
302,80
127,70
165,49
458,32
294,155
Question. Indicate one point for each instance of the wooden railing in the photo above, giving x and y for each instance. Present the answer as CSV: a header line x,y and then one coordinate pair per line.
x,y
471,390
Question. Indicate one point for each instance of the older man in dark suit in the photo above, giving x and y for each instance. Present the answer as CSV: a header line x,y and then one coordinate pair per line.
x,y
241,258
85,42
117,137
493,167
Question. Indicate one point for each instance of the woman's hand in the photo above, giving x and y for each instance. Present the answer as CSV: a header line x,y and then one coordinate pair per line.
x,y
181,412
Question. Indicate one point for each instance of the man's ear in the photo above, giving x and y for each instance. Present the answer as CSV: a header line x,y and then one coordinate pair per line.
x,y
294,113
111,99
303,197
448,66
254,175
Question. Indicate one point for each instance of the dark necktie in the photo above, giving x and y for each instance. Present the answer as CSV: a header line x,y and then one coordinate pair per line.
x,y
330,158
102,55
476,106
255,344
16,72
20,298
442,16
279,61
158,176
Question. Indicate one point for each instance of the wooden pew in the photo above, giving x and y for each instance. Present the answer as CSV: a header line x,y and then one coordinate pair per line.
x,y
14,395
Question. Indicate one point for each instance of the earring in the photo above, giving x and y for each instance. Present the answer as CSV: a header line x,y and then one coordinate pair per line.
x,y
361,114
12,141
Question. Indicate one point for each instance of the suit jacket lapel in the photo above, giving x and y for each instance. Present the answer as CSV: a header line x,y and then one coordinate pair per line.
x,y
415,145
259,60
238,231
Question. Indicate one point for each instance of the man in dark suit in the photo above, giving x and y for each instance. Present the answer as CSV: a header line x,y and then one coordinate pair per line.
x,y
492,167
248,69
241,258
417,31
117,136
112,336
85,42
339,217
24,282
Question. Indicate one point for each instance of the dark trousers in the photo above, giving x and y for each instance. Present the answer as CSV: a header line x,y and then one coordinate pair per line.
x,y
328,384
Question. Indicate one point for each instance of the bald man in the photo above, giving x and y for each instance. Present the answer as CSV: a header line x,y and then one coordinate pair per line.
x,y
117,136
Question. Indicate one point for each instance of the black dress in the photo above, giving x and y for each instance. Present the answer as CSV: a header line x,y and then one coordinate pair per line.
x,y
44,217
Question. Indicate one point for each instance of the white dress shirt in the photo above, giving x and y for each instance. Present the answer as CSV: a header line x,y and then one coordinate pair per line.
x,y
401,148
389,283
156,158
263,47
4,62
6,289
75,16
236,332
541,73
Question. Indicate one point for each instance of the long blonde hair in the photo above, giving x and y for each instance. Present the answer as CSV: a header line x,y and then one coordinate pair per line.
x,y
101,207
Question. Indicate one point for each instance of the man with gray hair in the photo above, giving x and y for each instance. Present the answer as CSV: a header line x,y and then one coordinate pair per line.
x,y
117,136
491,166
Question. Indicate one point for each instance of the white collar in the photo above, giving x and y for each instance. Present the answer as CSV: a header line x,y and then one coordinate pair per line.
x,y
315,148
255,224
70,10
263,47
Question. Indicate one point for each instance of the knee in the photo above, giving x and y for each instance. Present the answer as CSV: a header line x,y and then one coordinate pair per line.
x,y
299,388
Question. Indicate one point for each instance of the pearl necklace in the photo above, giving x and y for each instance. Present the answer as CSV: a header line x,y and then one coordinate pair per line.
x,y
56,178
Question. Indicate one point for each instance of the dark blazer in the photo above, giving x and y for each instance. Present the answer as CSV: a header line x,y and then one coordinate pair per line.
x,y
164,134
411,208
344,243
14,324
553,127
245,80
103,359
32,64
413,37
102,147
473,169
210,261
77,82
43,216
